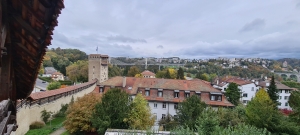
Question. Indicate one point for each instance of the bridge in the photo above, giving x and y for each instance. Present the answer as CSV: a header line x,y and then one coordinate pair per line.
x,y
114,61
289,75
29,109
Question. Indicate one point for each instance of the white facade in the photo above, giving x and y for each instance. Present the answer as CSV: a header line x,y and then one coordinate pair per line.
x,y
283,99
248,91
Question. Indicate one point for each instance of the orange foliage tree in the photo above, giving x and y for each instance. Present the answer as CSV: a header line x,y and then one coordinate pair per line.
x,y
79,114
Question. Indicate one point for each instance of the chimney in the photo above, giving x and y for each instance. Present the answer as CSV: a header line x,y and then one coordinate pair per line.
x,y
217,81
124,81
256,82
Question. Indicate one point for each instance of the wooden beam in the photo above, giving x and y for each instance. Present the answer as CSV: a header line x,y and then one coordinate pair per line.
x,y
32,55
26,26
33,10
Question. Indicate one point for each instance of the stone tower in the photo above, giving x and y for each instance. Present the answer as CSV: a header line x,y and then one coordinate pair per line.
x,y
98,67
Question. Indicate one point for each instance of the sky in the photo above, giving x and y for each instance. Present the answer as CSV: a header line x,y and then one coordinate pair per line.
x,y
181,28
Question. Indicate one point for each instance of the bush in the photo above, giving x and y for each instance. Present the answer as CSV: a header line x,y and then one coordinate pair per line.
x,y
45,115
36,125
53,86
65,82
47,79
62,111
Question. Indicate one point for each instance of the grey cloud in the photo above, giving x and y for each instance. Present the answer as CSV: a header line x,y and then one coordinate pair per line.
x,y
298,5
256,24
160,47
274,45
120,38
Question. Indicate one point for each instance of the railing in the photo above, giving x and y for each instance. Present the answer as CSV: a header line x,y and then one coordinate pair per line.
x,y
59,93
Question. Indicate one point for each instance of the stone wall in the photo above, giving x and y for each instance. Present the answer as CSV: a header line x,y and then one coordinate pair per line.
x,y
28,114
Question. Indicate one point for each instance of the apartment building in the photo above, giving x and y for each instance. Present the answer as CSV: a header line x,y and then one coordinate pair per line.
x,y
163,95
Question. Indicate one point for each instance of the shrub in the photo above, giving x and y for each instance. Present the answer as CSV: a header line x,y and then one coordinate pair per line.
x,y
36,125
45,115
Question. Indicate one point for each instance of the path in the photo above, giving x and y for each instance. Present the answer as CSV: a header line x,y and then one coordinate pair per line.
x,y
59,131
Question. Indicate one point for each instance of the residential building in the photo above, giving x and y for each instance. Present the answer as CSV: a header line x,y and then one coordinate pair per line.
x,y
98,67
148,74
247,88
163,95
57,76
49,71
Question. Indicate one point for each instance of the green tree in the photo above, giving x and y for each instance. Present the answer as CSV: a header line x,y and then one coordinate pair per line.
x,y
262,112
41,71
189,110
53,85
133,71
273,91
169,123
45,115
111,111
168,74
140,116
294,102
160,74
208,122
78,71
79,114
180,74
233,93
114,71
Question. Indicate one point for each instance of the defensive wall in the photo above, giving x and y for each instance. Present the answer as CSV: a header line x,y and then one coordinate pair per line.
x,y
29,110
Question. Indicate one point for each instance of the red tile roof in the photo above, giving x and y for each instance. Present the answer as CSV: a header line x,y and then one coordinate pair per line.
x,y
56,73
147,72
166,84
48,93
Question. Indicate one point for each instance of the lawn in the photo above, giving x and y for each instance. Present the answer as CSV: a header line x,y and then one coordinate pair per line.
x,y
46,130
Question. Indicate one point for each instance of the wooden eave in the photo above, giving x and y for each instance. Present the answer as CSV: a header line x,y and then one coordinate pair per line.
x,y
31,24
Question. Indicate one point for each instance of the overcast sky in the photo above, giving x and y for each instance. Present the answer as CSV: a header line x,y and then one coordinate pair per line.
x,y
183,28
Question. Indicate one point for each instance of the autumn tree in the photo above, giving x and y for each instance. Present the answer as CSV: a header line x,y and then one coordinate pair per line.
x,y
53,85
189,110
79,113
42,70
139,75
78,71
180,74
233,93
133,71
261,111
273,91
111,111
140,116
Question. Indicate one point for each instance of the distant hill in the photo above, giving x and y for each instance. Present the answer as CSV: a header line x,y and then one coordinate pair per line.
x,y
292,62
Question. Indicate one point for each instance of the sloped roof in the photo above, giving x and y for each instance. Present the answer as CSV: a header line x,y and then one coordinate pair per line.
x,y
56,73
31,25
147,72
167,84
159,83
48,93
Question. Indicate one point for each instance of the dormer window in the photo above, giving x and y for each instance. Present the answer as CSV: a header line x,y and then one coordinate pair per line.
x,y
160,92
198,94
147,93
176,93
187,94
214,96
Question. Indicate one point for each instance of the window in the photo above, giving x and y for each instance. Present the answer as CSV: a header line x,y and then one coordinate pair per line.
x,y
155,105
286,97
164,105
187,95
101,90
163,116
147,92
252,89
286,104
176,94
245,101
280,91
160,94
280,97
175,116
279,104
286,91
175,106
216,97
245,95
